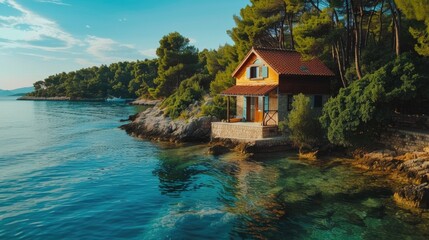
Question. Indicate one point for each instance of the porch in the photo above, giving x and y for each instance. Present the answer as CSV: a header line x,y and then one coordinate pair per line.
x,y
243,130
255,104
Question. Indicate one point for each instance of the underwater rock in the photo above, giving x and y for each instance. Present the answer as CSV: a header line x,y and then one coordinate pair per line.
x,y
218,149
413,196
311,155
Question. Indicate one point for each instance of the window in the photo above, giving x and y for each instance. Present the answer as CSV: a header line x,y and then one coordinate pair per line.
x,y
257,72
317,101
289,102
254,72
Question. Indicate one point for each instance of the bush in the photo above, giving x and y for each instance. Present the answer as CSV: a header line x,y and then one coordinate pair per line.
x,y
189,91
363,109
302,123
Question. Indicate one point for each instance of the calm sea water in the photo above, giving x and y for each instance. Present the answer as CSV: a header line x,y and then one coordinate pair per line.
x,y
68,172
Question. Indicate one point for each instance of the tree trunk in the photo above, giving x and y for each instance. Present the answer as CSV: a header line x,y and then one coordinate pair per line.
x,y
340,67
396,19
282,33
290,20
348,37
368,27
381,22
357,41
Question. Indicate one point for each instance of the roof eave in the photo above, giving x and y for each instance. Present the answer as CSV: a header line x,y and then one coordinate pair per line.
x,y
253,50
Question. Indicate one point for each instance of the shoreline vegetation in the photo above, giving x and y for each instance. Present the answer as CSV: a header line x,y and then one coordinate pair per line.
x,y
381,71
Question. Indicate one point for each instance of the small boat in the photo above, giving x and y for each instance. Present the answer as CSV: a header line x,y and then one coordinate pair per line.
x,y
115,99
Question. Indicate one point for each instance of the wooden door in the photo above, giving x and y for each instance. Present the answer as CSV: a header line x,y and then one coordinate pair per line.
x,y
258,109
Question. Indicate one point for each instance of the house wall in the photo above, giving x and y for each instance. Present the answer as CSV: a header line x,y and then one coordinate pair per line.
x,y
241,79
305,85
282,107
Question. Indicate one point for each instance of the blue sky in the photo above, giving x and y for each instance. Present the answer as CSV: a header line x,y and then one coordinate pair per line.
x,y
39,38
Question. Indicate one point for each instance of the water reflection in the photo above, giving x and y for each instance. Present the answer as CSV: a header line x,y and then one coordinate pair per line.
x,y
276,196
176,171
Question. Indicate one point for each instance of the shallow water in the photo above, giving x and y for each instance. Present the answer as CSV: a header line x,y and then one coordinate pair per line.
x,y
68,172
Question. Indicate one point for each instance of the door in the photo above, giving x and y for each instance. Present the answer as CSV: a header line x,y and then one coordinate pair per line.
x,y
254,106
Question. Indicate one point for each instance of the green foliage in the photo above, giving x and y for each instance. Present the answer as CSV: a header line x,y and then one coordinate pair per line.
x,y
266,23
302,123
363,109
417,10
144,73
217,107
122,79
221,64
189,91
314,34
177,61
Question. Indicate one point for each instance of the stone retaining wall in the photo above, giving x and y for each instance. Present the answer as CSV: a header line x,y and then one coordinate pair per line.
x,y
242,131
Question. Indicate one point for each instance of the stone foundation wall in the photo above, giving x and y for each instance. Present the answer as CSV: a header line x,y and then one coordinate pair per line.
x,y
405,141
240,101
238,131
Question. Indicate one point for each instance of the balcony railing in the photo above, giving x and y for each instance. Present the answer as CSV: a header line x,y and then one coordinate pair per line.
x,y
270,117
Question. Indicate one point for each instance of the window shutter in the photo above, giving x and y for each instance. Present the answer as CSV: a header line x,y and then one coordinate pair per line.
x,y
248,73
244,108
264,71
266,103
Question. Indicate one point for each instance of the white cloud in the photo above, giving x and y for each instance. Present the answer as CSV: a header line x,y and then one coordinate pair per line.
x,y
44,57
56,2
109,50
29,30
88,26
122,19
149,52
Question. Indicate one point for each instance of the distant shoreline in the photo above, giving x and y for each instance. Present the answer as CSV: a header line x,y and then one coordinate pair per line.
x,y
32,98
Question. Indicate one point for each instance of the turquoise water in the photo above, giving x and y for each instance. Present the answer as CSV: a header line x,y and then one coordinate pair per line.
x,y
68,172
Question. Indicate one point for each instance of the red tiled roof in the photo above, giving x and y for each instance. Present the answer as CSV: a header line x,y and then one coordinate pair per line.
x,y
287,62
249,90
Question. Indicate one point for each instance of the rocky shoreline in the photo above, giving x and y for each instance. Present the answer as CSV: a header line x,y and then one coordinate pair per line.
x,y
151,124
410,171
145,102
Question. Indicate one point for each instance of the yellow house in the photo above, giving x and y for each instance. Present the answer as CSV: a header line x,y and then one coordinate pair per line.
x,y
266,81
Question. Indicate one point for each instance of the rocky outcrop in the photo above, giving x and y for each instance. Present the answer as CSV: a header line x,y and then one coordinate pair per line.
x,y
412,169
413,196
152,124
142,101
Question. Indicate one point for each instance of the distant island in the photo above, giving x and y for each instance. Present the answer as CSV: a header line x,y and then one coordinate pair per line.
x,y
16,92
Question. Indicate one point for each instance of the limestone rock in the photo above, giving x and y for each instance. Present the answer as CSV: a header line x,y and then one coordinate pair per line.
x,y
218,149
413,196
152,124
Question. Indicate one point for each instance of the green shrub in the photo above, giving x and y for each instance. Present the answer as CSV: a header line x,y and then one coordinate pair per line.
x,y
302,123
188,92
363,109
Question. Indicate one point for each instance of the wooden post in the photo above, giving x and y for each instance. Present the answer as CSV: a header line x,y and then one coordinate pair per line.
x,y
227,109
263,110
